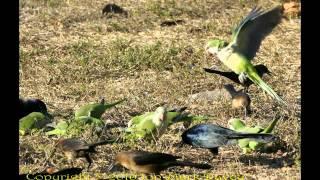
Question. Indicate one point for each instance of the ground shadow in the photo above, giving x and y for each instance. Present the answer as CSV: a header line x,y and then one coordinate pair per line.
x,y
271,162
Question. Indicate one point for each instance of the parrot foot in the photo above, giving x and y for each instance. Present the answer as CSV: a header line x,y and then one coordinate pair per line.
x,y
242,77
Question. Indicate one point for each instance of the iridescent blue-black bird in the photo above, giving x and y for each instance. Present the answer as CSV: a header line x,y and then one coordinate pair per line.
x,y
212,136
27,106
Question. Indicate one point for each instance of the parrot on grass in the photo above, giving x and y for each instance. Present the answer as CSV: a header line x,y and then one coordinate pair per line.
x,y
34,120
76,126
245,42
95,110
248,145
154,124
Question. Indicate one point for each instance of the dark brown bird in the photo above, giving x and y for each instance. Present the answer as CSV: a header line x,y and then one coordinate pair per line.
x,y
261,70
151,162
74,148
113,8
239,99
27,106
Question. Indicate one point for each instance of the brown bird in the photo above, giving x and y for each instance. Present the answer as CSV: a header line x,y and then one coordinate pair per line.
x,y
74,148
151,162
239,99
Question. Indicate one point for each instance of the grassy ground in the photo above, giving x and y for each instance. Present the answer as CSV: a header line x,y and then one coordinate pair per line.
x,y
71,55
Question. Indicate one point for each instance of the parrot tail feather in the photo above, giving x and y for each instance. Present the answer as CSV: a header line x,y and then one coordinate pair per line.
x,y
258,81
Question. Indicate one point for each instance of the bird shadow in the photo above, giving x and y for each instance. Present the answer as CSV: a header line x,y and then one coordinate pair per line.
x,y
172,22
271,162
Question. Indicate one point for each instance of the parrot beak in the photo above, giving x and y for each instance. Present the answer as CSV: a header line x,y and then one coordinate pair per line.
x,y
162,117
212,51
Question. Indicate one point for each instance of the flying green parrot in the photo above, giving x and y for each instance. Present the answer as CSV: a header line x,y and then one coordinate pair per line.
x,y
95,110
246,144
34,120
154,124
245,42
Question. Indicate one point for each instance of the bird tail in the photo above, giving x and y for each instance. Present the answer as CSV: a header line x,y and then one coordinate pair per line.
x,y
259,137
190,164
115,103
214,71
181,109
254,77
109,141
230,75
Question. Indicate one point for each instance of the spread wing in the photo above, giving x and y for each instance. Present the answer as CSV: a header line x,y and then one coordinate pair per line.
x,y
250,32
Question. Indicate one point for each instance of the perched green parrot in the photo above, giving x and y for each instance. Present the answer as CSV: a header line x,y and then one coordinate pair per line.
x,y
34,120
246,144
246,40
95,110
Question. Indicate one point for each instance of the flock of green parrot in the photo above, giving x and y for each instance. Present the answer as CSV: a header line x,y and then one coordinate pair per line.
x,y
236,55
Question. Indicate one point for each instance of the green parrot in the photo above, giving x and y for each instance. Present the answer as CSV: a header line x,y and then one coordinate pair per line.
x,y
246,40
76,126
246,144
34,120
147,124
154,124
95,110
59,129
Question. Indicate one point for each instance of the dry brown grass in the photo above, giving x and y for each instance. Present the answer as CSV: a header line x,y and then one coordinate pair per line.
x,y
71,55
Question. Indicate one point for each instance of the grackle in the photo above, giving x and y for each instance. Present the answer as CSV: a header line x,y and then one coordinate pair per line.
x,y
74,148
27,106
212,136
151,162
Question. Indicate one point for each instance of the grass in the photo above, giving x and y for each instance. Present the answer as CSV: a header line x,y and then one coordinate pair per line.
x,y
71,55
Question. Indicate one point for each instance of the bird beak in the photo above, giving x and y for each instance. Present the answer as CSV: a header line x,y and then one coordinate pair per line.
x,y
162,117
